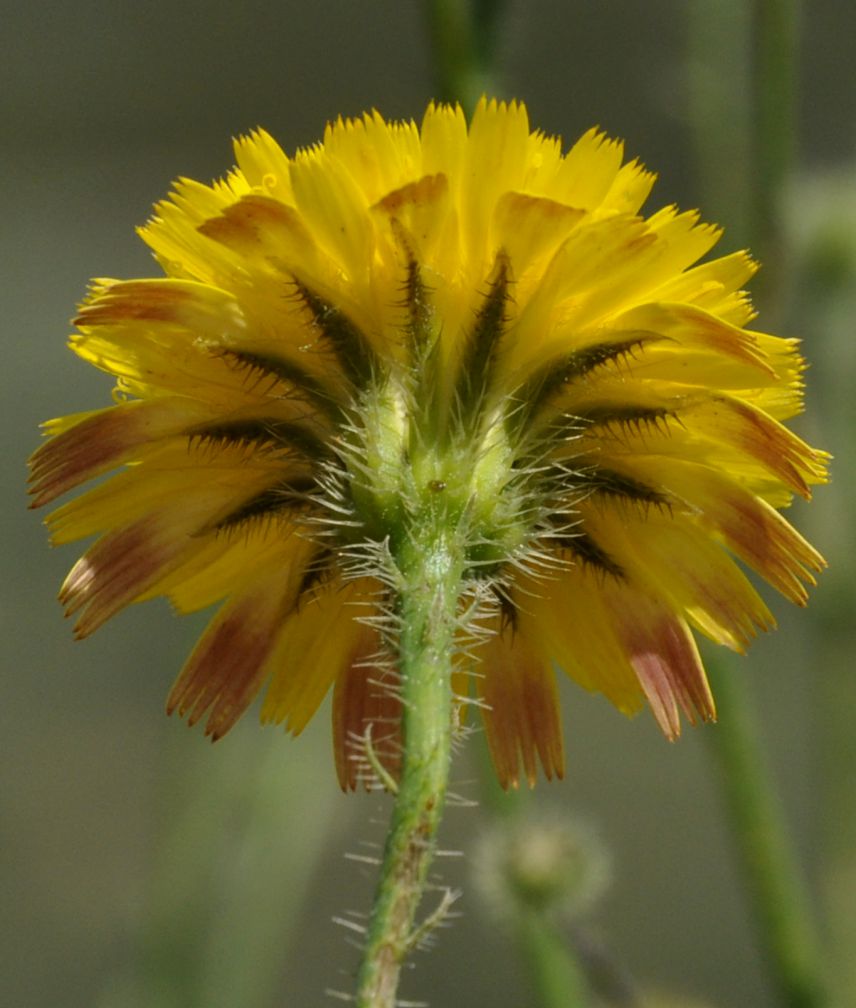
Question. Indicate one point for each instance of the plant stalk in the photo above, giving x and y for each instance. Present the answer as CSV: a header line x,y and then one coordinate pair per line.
x,y
774,881
464,35
556,975
430,567
775,44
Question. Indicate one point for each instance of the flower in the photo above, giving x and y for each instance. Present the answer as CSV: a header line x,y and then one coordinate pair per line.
x,y
550,863
453,310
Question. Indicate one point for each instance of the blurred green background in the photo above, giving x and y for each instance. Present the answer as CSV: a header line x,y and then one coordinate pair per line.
x,y
141,866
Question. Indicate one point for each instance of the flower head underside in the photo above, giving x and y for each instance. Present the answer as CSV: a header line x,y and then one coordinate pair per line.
x,y
458,319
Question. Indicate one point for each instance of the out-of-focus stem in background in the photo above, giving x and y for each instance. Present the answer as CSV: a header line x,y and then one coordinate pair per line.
x,y
763,134
464,36
717,82
823,216
775,38
214,926
772,875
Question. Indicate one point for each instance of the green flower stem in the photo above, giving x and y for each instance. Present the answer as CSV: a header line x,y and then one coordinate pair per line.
x,y
775,43
556,976
551,959
430,566
463,34
720,118
774,882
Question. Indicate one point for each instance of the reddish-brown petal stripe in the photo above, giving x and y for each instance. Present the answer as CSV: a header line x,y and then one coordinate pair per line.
x,y
228,666
664,655
421,214
119,567
720,432
105,440
366,711
778,449
258,226
676,558
749,526
200,308
521,709
423,192
528,227
762,538
689,327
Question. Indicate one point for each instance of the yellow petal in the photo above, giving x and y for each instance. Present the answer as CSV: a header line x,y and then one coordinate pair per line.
x,y
334,208
264,164
572,620
316,645
588,171
378,155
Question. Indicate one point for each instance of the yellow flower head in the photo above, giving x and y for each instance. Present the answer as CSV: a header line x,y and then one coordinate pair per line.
x,y
449,313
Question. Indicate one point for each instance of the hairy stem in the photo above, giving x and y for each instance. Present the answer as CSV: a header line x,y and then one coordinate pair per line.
x,y
430,564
